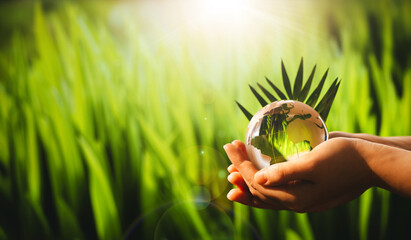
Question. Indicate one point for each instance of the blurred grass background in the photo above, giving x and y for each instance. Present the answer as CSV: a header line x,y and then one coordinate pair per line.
x,y
113,114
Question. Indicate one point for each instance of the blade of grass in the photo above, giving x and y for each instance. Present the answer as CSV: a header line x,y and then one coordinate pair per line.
x,y
104,209
385,210
303,224
67,217
365,212
290,234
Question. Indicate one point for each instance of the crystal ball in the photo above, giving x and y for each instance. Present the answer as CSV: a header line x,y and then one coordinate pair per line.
x,y
283,130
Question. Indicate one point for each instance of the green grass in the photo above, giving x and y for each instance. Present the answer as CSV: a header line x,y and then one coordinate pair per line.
x,y
114,128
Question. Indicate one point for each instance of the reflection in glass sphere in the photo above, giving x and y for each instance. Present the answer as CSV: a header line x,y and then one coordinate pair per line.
x,y
283,130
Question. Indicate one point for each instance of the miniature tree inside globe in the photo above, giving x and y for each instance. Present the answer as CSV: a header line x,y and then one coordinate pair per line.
x,y
283,130
293,123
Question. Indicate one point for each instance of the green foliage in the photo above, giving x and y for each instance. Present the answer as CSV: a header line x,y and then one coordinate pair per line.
x,y
298,93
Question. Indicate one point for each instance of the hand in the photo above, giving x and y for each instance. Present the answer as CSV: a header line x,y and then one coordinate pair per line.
x,y
403,142
331,174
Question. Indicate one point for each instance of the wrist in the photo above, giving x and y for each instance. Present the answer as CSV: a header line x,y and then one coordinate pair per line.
x,y
368,152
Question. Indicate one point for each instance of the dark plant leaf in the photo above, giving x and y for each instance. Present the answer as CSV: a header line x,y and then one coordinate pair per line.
x,y
312,100
298,93
246,113
286,81
298,81
278,91
321,105
330,103
267,93
258,96
323,108
303,94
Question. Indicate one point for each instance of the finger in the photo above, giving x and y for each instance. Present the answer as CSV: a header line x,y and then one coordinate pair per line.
x,y
237,195
241,162
281,173
363,136
236,179
290,193
232,169
295,196
336,134
247,170
246,198
240,145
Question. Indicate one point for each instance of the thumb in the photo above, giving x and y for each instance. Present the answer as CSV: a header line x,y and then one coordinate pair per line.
x,y
282,173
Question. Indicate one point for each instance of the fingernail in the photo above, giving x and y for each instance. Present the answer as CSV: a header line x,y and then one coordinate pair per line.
x,y
261,176
229,195
229,177
225,146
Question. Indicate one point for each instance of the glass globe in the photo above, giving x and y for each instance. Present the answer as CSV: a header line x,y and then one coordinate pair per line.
x,y
283,130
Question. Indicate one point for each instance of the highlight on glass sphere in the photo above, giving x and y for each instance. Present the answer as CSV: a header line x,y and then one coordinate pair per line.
x,y
283,130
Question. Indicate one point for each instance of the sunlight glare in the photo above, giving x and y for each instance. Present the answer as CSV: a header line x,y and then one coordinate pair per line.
x,y
220,11
223,9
